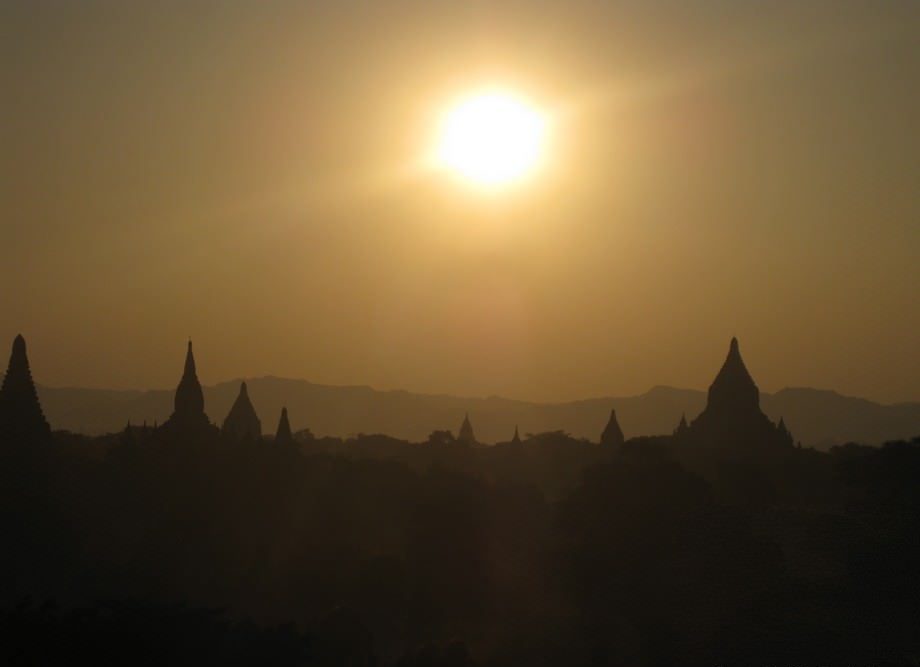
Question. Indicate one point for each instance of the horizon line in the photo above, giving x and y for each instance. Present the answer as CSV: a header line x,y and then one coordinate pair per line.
x,y
240,379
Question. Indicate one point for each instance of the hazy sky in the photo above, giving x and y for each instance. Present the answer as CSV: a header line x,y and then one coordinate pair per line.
x,y
247,173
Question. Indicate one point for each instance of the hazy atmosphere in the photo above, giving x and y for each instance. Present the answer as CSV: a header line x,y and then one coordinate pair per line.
x,y
255,176
460,334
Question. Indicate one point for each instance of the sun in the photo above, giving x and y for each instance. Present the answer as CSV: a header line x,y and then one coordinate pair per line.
x,y
492,139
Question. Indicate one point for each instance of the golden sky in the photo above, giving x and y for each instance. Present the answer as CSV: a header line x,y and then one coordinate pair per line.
x,y
251,175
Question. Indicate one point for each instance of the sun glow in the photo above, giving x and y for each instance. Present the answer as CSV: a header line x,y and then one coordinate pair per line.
x,y
492,139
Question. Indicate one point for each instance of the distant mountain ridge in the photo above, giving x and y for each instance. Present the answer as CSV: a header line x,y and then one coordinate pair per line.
x,y
818,418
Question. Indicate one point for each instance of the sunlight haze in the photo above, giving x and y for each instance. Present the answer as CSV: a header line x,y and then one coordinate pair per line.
x,y
254,175
492,138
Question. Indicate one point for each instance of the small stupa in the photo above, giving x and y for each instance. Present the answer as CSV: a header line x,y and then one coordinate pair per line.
x,y
613,434
242,422
283,435
466,435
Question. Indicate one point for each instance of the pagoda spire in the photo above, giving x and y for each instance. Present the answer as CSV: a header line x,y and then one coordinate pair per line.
x,y
734,388
189,371
189,400
242,422
613,434
188,417
732,421
21,416
466,431
283,435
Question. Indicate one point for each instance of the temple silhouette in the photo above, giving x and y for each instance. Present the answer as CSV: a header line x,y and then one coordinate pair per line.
x,y
283,435
695,540
188,419
612,435
21,416
465,435
242,422
732,423
732,418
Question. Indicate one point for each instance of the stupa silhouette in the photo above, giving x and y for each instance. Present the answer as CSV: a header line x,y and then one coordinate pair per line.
x,y
732,420
21,416
466,435
283,435
188,418
613,434
242,422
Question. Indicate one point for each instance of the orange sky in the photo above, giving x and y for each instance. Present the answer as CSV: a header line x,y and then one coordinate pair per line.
x,y
247,174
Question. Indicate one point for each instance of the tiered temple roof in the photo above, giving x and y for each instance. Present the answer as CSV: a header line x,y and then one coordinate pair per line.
x,y
188,417
732,420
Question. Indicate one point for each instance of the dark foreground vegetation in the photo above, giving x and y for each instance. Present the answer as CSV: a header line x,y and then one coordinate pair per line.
x,y
140,549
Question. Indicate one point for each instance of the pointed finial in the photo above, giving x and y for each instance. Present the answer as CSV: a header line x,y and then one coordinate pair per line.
x,y
283,433
612,434
189,359
466,431
18,355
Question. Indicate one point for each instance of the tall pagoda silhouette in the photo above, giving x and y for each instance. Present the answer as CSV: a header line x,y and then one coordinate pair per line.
x,y
242,422
732,420
21,416
613,434
188,418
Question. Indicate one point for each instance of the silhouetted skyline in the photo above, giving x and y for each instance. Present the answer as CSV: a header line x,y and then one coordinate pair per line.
x,y
460,334
732,413
724,542
820,418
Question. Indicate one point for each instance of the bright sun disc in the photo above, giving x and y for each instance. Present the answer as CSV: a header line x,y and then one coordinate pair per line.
x,y
492,139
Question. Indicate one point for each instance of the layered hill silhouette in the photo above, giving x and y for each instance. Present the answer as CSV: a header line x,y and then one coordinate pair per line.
x,y
817,418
